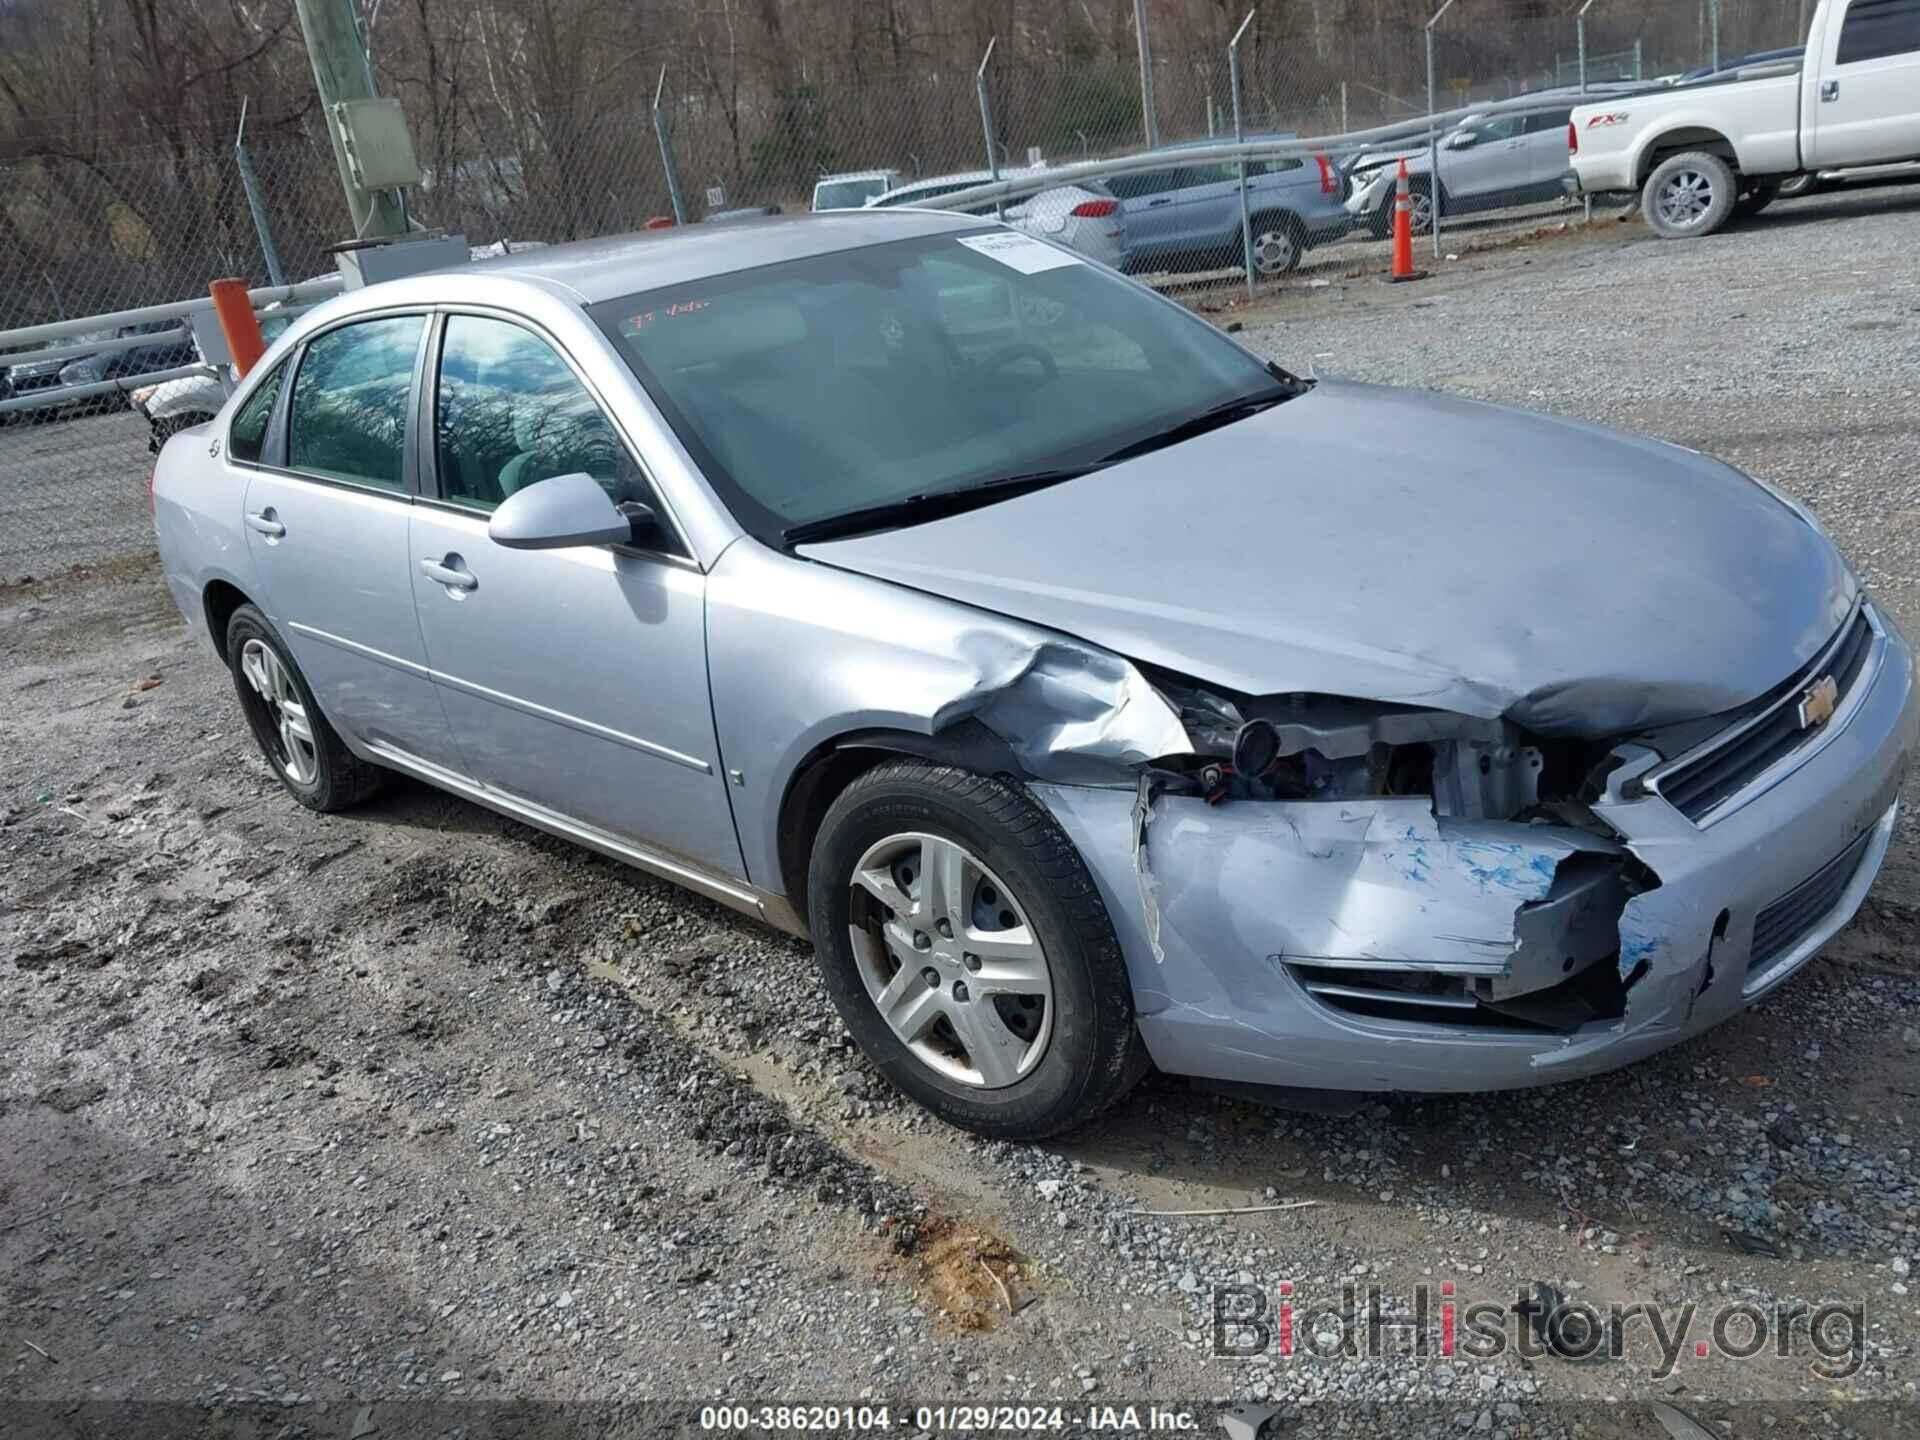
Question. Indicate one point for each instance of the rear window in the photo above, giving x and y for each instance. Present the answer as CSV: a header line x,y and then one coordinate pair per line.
x,y
846,194
1877,28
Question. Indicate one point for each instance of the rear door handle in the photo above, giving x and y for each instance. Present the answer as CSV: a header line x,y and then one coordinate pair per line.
x,y
263,521
449,572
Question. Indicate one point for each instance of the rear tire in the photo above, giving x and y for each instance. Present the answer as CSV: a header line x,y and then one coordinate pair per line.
x,y
301,747
1279,240
1029,1037
1689,195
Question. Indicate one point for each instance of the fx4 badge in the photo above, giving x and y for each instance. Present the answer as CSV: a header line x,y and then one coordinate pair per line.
x,y
1816,706
1618,117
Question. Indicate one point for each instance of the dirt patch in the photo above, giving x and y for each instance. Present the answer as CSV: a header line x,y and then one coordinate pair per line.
x,y
974,1277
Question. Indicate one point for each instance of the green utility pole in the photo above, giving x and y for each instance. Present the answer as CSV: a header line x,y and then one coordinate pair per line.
x,y
342,73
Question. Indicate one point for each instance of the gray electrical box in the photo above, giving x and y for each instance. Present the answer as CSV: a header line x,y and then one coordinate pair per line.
x,y
379,150
368,262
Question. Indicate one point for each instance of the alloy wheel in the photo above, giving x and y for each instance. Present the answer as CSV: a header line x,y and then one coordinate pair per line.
x,y
1685,198
950,960
286,713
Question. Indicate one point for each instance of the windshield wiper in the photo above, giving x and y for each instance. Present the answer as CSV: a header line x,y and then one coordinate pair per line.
x,y
932,505
1211,418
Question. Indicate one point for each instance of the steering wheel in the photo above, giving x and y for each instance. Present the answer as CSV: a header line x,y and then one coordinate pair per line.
x,y
1008,354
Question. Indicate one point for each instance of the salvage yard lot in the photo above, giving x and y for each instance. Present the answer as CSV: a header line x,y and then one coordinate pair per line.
x,y
413,1102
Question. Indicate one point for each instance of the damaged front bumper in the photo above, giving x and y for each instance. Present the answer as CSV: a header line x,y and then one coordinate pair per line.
x,y
1370,945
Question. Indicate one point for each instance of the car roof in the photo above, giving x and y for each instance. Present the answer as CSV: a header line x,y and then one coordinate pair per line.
x,y
616,265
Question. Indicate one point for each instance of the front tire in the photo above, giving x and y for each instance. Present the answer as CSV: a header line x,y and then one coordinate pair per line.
x,y
966,947
303,749
1419,202
1689,195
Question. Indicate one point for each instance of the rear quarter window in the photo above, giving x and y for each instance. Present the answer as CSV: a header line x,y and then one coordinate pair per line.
x,y
248,436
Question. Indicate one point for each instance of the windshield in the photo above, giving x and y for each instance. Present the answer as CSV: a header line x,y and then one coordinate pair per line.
x,y
817,387
847,194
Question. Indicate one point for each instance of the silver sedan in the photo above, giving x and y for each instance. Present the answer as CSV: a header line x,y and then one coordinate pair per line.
x,y
1094,693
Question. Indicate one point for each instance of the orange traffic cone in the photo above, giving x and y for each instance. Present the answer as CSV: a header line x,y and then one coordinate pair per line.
x,y
1403,230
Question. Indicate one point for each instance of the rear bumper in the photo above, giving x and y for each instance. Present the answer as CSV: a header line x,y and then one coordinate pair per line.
x,y
1235,896
1599,174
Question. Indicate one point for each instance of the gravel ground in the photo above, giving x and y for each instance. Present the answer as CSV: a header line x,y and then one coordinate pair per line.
x,y
304,1115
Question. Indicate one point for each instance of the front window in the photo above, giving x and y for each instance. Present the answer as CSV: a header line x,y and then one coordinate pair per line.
x,y
822,386
509,413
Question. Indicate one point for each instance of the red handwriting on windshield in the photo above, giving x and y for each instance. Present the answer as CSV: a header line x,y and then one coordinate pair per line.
x,y
679,307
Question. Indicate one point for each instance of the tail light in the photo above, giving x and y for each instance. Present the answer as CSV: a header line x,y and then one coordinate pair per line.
x,y
1094,209
1326,175
1573,138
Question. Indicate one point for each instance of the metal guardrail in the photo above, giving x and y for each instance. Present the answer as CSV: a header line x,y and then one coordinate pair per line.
x,y
196,322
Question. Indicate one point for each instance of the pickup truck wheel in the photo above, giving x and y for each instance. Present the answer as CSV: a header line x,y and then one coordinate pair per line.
x,y
965,945
1689,195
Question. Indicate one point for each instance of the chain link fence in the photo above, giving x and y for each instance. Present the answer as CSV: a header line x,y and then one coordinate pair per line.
x,y
705,143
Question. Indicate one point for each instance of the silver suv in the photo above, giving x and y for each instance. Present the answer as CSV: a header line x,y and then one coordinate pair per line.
x,y
1486,162
1187,217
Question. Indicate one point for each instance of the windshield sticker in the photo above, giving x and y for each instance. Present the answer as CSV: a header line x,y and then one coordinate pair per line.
x,y
680,307
1019,252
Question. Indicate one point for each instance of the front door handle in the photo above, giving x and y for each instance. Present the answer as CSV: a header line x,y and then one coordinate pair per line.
x,y
264,522
448,571
1829,89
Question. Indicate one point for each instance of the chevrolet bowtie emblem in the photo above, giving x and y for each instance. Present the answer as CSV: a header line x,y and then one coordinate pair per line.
x,y
1816,706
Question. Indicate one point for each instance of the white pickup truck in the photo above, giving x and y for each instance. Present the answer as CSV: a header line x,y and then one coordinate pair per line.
x,y
1702,152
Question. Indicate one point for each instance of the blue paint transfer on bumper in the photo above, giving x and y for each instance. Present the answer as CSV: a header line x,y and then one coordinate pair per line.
x,y
1227,893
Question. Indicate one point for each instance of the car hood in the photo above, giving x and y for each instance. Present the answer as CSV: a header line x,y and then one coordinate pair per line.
x,y
1404,546
1371,162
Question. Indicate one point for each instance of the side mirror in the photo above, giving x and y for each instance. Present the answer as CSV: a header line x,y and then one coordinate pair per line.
x,y
1462,140
554,514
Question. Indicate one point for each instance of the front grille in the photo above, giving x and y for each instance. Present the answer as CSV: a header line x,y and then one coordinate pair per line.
x,y
1779,927
1770,732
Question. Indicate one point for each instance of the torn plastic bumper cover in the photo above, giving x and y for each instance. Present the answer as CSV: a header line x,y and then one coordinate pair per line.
x,y
1370,944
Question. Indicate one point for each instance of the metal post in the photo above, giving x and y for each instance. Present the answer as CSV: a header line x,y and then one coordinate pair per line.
x,y
1246,224
1580,28
1636,57
341,72
666,152
256,205
1149,123
1433,136
1713,31
1344,127
986,120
